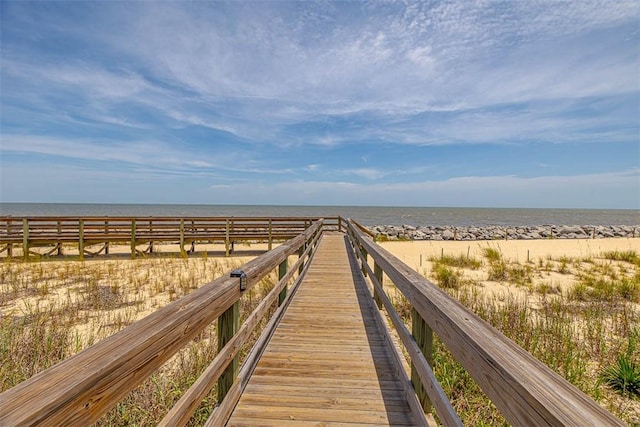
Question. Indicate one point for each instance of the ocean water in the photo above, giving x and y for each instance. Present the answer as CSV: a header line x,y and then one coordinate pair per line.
x,y
366,215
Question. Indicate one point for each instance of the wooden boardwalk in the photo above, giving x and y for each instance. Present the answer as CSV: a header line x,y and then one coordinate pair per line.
x,y
327,362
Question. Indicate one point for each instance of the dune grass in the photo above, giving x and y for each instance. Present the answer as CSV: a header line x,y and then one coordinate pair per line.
x,y
586,332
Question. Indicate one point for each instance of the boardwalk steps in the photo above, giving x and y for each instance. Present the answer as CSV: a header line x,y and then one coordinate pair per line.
x,y
327,362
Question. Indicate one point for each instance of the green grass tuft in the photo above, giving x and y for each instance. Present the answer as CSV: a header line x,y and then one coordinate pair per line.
x,y
447,277
626,256
460,261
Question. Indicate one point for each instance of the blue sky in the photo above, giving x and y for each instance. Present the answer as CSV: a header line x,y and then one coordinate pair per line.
x,y
447,103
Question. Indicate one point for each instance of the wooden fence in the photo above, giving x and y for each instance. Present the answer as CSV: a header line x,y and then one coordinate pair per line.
x,y
57,232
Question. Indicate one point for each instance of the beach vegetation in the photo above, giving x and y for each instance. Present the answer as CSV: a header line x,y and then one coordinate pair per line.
x,y
51,310
492,254
584,328
578,326
629,256
447,277
460,261
623,376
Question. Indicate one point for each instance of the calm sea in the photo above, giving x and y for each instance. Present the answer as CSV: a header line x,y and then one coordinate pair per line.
x,y
365,215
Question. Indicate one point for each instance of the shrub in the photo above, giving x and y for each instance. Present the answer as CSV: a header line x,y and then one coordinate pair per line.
x,y
492,254
623,377
629,289
447,278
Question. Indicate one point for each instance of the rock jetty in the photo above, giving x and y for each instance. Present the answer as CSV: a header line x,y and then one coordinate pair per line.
x,y
409,232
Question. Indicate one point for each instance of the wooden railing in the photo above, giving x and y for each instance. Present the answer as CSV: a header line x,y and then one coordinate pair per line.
x,y
31,232
79,390
524,390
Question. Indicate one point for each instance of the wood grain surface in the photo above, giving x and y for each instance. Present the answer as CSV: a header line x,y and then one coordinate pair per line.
x,y
326,363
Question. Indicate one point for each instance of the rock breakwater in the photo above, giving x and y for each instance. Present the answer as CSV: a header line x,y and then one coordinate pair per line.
x,y
408,232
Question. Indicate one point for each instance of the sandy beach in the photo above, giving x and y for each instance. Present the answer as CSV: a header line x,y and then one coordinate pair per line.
x,y
410,252
555,264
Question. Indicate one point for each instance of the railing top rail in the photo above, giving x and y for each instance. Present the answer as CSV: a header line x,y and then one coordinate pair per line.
x,y
166,218
526,391
80,389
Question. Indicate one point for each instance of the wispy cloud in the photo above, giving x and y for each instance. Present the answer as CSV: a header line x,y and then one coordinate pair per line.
x,y
150,153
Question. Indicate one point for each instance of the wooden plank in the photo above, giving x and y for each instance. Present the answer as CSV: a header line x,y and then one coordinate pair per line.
x,y
182,411
422,366
324,414
251,422
326,363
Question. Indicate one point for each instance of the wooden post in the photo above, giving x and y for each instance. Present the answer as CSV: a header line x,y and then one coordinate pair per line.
x,y
300,254
106,233
424,338
270,235
59,245
377,271
228,324
364,260
9,245
151,234
282,270
133,238
25,239
226,239
81,239
339,223
183,253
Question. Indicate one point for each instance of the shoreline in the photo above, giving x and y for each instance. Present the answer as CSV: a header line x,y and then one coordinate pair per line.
x,y
496,232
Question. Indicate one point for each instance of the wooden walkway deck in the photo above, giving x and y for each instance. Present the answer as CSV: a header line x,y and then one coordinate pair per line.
x,y
327,362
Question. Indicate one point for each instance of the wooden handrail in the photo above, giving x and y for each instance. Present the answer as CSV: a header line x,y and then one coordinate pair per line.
x,y
79,390
526,391
188,403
